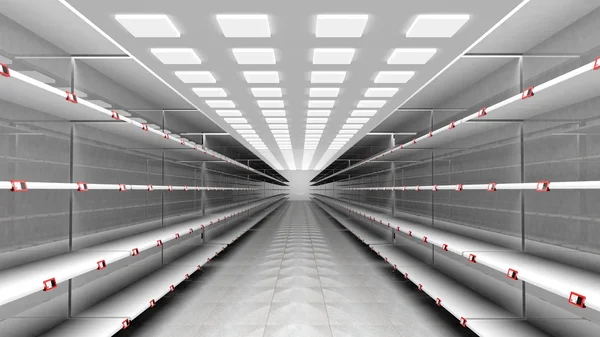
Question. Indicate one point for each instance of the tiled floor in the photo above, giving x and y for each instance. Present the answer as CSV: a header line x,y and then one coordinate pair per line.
x,y
298,273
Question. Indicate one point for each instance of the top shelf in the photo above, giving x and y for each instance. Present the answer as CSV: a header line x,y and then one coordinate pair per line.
x,y
28,92
575,86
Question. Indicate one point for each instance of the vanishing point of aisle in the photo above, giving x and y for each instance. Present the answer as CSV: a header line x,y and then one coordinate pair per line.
x,y
297,273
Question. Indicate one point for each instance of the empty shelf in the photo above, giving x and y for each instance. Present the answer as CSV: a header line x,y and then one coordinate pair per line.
x,y
577,285
48,273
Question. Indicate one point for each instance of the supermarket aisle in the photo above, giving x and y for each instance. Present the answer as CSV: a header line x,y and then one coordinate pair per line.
x,y
298,273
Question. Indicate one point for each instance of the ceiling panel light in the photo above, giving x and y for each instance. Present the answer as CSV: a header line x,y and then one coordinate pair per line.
x,y
278,126
280,131
411,55
270,104
273,113
348,131
251,136
276,120
220,104
241,126
437,25
261,76
319,113
316,120
210,92
320,104
228,113
394,76
363,113
370,104
324,92
312,136
327,76
314,131
236,120
357,120
244,25
333,55
176,55
148,25
333,25
351,126
196,76
381,92
266,92
246,131
315,126
254,55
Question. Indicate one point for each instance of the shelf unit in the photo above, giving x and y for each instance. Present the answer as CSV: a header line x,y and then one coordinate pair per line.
x,y
575,86
48,274
577,286
473,311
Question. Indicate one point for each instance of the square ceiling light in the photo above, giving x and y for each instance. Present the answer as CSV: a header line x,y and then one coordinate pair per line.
x,y
357,120
148,25
394,76
196,76
228,113
273,113
176,55
327,76
318,113
381,92
411,55
210,92
437,25
241,126
276,120
266,92
324,92
244,25
370,104
320,104
363,113
270,104
316,120
261,76
236,120
335,25
220,104
254,55
333,55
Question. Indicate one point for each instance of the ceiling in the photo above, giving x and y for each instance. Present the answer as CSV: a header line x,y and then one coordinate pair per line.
x,y
292,27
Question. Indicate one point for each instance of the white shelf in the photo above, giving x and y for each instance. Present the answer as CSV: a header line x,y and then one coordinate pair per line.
x,y
362,233
21,281
460,301
130,302
28,92
557,278
575,86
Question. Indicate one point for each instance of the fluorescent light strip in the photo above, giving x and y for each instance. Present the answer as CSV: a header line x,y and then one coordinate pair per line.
x,y
324,92
394,76
254,55
318,113
148,25
176,55
220,104
363,113
210,92
411,55
333,55
270,104
266,92
381,92
244,25
261,76
228,113
273,113
276,120
327,76
436,25
195,76
327,104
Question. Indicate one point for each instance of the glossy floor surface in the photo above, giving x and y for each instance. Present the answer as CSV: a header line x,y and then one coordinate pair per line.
x,y
297,273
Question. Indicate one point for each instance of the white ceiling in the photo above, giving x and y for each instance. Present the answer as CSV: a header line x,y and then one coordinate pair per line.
x,y
292,27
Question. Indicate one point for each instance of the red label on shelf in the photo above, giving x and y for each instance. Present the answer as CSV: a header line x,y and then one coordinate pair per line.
x,y
491,187
152,303
135,251
187,276
445,247
82,186
144,127
459,187
425,239
463,322
438,301
122,188
170,188
115,115
4,71
452,125
191,230
150,188
435,188
512,274
126,323
101,264
50,284
543,186
473,258
171,288
159,243
165,135
406,276
409,233
176,236
430,134
420,287
577,299
71,97
18,186
482,112
527,93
